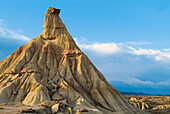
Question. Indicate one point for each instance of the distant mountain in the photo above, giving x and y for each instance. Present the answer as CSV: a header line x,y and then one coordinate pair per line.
x,y
134,93
141,93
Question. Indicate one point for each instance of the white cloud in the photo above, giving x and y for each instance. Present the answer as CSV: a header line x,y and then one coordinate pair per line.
x,y
166,50
100,48
134,81
9,34
137,82
140,51
158,55
167,82
125,47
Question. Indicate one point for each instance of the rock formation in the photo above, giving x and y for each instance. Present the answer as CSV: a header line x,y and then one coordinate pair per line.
x,y
51,67
153,104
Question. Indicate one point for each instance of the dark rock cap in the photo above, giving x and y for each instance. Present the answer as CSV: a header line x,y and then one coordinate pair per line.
x,y
53,10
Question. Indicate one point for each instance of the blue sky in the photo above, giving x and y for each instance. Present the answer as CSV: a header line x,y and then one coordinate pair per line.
x,y
127,40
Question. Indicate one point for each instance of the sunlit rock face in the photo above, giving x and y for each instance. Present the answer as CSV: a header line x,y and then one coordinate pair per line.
x,y
53,25
51,67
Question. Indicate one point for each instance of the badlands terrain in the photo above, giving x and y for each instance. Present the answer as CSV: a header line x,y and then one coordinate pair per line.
x,y
153,104
50,74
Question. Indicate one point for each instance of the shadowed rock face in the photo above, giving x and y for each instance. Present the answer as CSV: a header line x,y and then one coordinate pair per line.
x,y
51,67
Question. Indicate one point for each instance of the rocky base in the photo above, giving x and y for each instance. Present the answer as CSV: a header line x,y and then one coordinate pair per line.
x,y
153,104
48,107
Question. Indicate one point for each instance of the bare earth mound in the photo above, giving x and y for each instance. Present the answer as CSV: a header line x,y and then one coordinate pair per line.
x,y
52,72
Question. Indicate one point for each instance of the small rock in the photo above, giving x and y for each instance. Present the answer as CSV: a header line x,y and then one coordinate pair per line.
x,y
51,81
55,108
15,92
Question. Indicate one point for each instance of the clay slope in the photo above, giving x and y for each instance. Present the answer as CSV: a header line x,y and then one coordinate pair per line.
x,y
51,67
